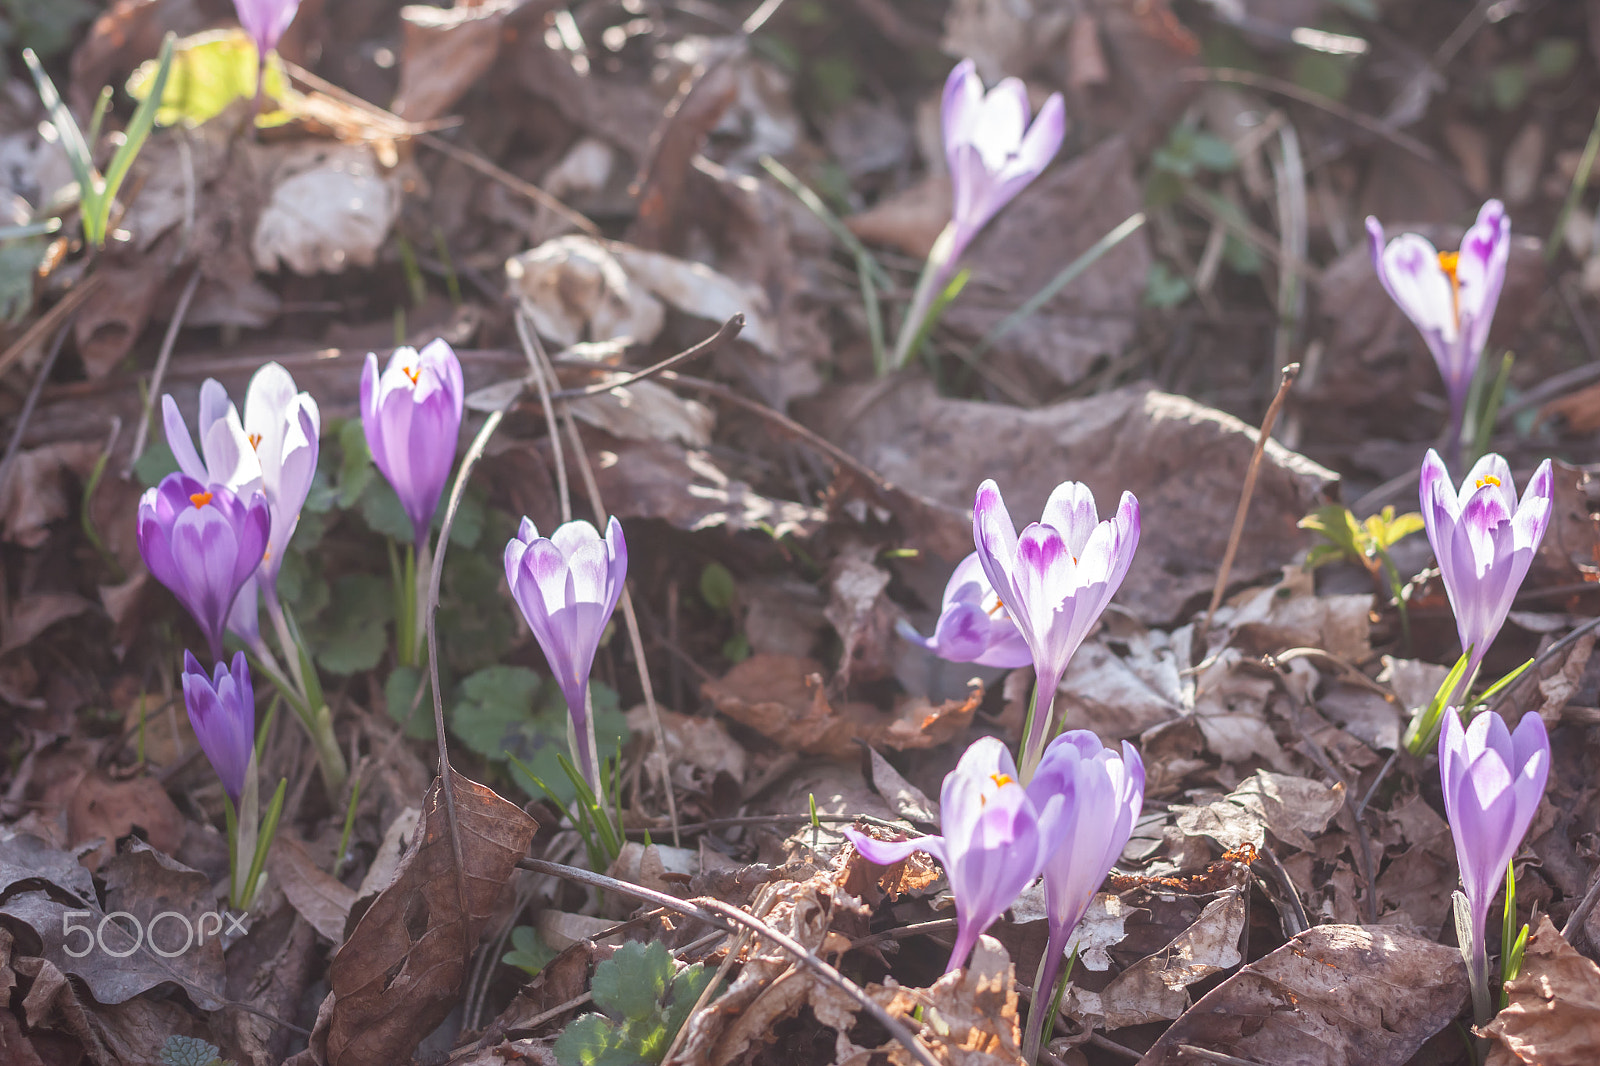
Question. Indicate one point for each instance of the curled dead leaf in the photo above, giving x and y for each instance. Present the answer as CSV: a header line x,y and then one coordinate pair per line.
x,y
1553,1018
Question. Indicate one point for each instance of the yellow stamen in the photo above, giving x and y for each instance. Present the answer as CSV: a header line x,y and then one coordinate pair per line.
x,y
412,374
1001,780
199,499
1488,479
1448,262
255,440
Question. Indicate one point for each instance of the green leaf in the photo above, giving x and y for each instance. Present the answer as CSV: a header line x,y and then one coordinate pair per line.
x,y
49,27
1508,86
399,693
356,469
189,1051
1164,287
686,989
591,1041
1323,73
529,951
381,510
736,649
156,463
1212,152
1555,57
209,72
300,581
630,985
717,587
471,636
495,704
541,742
19,264
352,636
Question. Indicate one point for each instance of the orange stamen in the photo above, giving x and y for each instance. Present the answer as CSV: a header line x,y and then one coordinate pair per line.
x,y
999,605
255,440
1448,262
412,374
199,499
1001,780
1488,479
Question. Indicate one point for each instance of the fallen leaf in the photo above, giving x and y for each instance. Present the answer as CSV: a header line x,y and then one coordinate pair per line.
x,y
861,614
31,615
969,1016
106,810
330,208
783,698
24,858
1332,996
1553,1018
403,967
445,52
910,220
575,289
126,961
317,896
1289,807
1183,460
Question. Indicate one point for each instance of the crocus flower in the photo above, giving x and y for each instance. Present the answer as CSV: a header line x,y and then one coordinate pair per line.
x,y
1103,793
1493,779
202,542
997,835
567,586
1485,540
993,153
1055,579
265,21
222,709
973,626
1449,296
412,417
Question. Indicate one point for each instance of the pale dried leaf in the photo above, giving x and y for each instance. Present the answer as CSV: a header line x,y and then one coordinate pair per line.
x,y
1553,1018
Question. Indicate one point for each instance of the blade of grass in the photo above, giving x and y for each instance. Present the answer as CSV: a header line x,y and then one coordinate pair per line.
x,y
825,215
1580,182
1068,274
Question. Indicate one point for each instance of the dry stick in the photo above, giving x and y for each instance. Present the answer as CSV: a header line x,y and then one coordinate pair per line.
x,y
1267,83
716,913
142,432
729,330
1290,372
1579,918
446,774
537,369
28,405
1216,1056
56,316
510,181
634,638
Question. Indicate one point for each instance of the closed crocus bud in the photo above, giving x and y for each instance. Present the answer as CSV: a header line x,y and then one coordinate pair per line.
x,y
1493,780
567,585
222,709
1102,794
1449,296
996,837
1055,579
992,151
1484,539
265,21
202,542
973,625
411,415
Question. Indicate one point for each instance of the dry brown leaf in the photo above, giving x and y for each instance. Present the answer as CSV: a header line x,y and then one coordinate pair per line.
x,y
405,963
1553,1018
106,810
446,52
861,614
969,1015
1289,807
783,698
910,220
144,883
31,615
318,897
1332,996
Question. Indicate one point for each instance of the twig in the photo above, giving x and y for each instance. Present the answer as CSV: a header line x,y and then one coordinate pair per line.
x,y
1289,373
1286,885
904,932
554,1012
1574,926
1267,83
446,773
544,377
141,432
28,405
1100,1040
510,181
1216,1056
56,316
719,914
729,330
631,619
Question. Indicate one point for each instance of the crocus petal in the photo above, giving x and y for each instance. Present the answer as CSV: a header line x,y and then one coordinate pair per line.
x,y
179,441
888,852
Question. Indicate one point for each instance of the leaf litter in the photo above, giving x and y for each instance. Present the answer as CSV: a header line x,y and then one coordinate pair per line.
x,y
1285,895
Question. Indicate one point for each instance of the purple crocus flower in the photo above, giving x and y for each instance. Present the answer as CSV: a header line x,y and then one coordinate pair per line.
x,y
992,153
1449,296
1055,579
997,835
1493,780
973,626
567,586
265,21
1103,793
1485,540
222,709
202,542
412,417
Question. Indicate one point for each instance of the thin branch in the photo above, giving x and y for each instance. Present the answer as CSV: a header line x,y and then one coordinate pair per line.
x,y
476,162
1290,372
715,912
544,376
56,316
142,432
28,405
729,330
